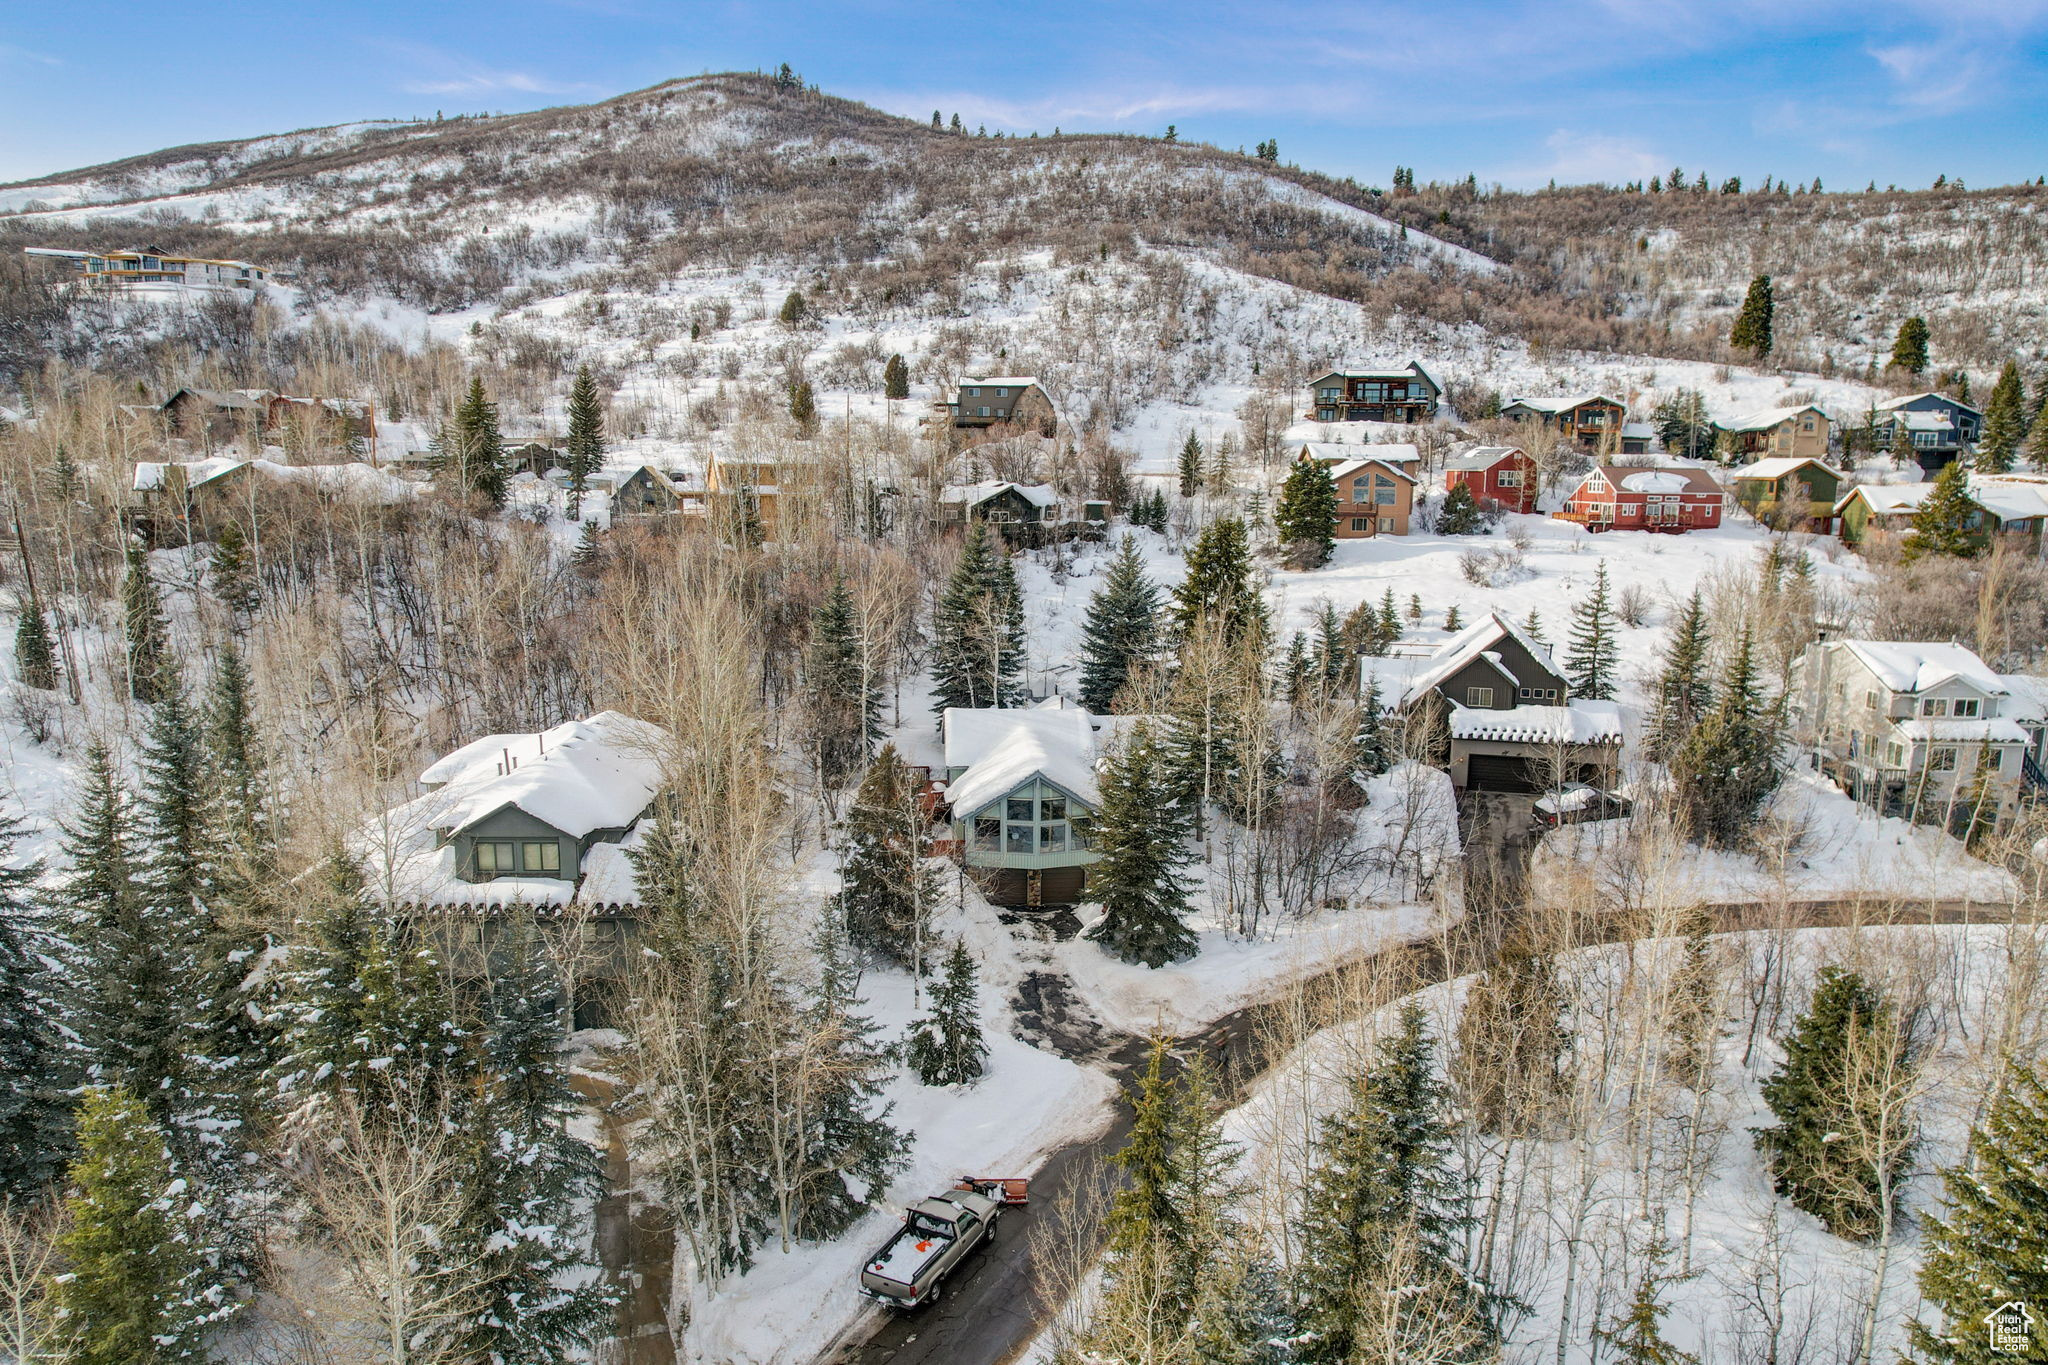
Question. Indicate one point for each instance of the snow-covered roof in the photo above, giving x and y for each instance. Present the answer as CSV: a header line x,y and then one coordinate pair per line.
x,y
1483,457
1778,466
1412,369
1770,417
1894,404
1987,730
2028,696
2010,499
352,478
585,775
1555,405
1656,479
1915,666
974,494
1011,380
1887,499
151,476
1000,749
1923,421
1350,467
1637,431
1581,722
1415,677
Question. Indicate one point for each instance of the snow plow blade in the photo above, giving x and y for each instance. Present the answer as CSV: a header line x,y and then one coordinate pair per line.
x,y
1004,1190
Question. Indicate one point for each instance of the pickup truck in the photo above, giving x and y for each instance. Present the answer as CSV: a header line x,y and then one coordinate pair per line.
x,y
937,1233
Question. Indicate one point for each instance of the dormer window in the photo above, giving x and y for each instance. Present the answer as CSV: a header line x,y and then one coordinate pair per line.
x,y
1965,708
1934,706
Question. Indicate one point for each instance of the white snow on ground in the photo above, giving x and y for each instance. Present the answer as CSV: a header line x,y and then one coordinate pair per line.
x,y
1823,845
1828,1280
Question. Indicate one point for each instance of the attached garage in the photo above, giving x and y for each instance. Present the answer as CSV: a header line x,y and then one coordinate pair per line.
x,y
1500,773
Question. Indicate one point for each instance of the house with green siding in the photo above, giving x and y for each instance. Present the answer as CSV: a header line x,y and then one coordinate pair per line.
x,y
1793,488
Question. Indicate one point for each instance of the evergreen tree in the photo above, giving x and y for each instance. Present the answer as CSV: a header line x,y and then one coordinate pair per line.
x,y
1752,331
1682,424
1460,514
1636,1335
1415,607
1726,768
793,309
1331,664
583,452
147,631
2005,422
472,445
35,1070
126,981
1533,628
1140,834
1811,1162
1191,466
1306,515
232,575
1591,656
1219,584
896,378
978,629
35,657
1122,630
2037,433
1379,1216
886,890
1154,512
1371,754
589,554
1294,674
845,697
235,775
803,406
136,1290
1942,522
528,1178
1452,621
850,1149
1909,348
1989,1244
945,1047
1685,689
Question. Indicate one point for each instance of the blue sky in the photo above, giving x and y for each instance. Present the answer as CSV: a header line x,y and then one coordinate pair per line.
x,y
1519,91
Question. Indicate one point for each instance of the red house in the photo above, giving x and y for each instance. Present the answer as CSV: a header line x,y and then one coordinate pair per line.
x,y
1502,475
1672,499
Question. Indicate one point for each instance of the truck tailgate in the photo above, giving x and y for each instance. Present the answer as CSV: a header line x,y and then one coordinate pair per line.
x,y
898,1264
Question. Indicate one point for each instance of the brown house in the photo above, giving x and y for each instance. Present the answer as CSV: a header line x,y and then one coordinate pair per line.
x,y
1592,420
1374,498
646,492
1788,433
1018,400
1403,393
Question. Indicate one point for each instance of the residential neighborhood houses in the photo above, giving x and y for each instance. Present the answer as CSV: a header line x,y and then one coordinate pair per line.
x,y
152,270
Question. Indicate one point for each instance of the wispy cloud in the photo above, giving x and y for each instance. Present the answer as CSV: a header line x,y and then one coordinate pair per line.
x,y
1578,158
448,73
10,53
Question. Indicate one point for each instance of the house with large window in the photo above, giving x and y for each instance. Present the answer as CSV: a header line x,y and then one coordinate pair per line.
x,y
1021,795
2003,506
1782,433
1935,427
1591,420
152,269
1405,393
1669,498
1503,477
1375,495
528,817
1913,728
1501,710
1015,400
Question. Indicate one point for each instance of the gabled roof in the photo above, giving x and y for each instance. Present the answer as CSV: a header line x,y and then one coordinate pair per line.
x,y
1556,405
1000,749
1654,478
1412,370
1416,677
1892,404
2029,696
975,494
1915,666
658,478
1771,417
1886,499
1915,420
1485,457
2005,498
247,400
1350,467
1778,466
585,775
1018,381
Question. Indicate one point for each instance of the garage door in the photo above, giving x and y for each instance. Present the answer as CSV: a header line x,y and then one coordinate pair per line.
x,y
1500,773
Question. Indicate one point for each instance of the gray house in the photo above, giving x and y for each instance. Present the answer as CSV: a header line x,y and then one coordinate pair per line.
x,y
529,813
1936,427
1507,720
1021,788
